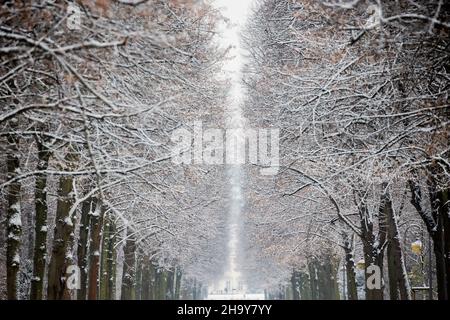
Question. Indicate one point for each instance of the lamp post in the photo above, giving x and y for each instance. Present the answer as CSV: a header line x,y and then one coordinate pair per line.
x,y
361,264
418,249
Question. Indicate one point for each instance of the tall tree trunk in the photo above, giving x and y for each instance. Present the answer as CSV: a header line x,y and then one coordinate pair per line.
x,y
161,285
87,208
392,273
146,279
104,283
64,227
439,240
304,286
112,261
433,222
13,219
327,278
295,285
313,278
152,274
398,277
178,275
373,247
444,212
138,277
129,268
94,251
194,290
170,285
40,228
352,292
108,261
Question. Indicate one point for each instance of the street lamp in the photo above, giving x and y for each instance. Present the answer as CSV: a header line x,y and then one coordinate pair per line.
x,y
416,247
361,264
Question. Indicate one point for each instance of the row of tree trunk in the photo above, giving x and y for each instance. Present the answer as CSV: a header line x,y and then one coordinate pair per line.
x,y
96,245
320,281
143,280
388,240
437,222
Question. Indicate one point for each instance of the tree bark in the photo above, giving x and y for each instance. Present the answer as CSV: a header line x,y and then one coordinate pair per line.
x,y
295,285
178,275
327,278
64,227
13,219
352,292
433,222
313,279
40,229
129,268
161,285
398,277
170,294
94,251
373,246
146,279
108,261
138,278
304,286
444,212
87,208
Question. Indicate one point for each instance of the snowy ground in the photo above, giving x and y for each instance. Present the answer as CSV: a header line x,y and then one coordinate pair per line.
x,y
236,296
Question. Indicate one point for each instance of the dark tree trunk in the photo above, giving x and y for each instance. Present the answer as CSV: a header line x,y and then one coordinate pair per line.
x,y
152,291
195,291
111,269
295,285
138,277
433,222
398,278
373,247
178,276
304,286
313,279
129,268
64,227
86,210
94,251
161,285
40,228
444,212
327,278
352,292
146,279
108,260
170,285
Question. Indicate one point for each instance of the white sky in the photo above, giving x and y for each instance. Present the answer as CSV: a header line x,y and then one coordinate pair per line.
x,y
236,12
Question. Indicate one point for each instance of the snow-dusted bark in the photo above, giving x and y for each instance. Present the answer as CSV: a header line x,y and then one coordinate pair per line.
x,y
87,208
94,250
13,219
433,219
40,227
398,276
108,261
352,290
128,291
61,255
